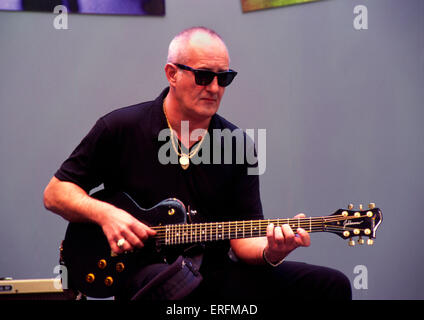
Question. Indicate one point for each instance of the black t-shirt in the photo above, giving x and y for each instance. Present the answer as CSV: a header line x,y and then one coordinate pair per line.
x,y
121,151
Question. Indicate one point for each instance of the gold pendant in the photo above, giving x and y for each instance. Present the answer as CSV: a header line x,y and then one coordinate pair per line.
x,y
184,161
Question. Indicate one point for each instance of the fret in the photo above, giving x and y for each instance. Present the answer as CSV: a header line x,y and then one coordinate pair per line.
x,y
251,228
261,228
177,234
310,224
269,221
216,231
236,230
202,232
184,233
191,233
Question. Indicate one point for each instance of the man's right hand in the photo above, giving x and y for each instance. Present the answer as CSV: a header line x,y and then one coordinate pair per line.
x,y
118,224
74,204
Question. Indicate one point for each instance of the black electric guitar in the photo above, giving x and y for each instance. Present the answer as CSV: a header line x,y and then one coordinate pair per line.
x,y
95,271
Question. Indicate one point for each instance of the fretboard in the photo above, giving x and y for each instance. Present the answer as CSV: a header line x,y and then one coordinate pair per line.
x,y
216,231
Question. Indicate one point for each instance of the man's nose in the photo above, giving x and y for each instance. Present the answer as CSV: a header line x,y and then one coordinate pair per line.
x,y
213,86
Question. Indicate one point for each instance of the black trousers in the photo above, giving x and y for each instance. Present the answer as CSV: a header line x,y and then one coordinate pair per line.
x,y
232,281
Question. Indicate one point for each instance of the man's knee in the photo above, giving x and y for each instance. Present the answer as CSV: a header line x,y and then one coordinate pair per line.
x,y
335,285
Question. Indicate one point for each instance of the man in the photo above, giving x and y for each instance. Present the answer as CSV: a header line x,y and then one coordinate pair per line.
x,y
121,151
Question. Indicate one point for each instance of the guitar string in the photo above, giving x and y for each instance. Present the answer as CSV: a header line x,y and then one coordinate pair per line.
x,y
243,225
304,222
211,232
277,220
184,233
186,239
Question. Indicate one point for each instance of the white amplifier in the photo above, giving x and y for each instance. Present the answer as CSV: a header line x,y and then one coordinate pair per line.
x,y
34,289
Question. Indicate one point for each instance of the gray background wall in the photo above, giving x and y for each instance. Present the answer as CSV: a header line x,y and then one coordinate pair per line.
x,y
342,109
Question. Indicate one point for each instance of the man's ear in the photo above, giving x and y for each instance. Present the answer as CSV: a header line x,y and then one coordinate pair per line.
x,y
171,73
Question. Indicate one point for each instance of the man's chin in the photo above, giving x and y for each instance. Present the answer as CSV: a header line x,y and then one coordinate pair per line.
x,y
208,108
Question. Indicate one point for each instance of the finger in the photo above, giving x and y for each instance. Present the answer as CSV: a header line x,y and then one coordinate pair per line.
x,y
114,248
300,215
133,240
126,246
142,231
113,244
304,238
150,231
270,234
289,237
278,236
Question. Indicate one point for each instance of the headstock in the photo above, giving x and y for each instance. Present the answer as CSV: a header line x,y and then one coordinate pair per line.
x,y
348,223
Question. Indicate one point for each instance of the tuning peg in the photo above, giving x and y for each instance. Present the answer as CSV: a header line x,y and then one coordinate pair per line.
x,y
350,206
370,242
371,205
351,242
361,207
361,241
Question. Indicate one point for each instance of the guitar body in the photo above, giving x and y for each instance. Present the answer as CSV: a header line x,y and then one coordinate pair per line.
x,y
91,267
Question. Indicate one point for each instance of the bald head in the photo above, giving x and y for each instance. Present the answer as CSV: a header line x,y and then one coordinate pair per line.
x,y
192,39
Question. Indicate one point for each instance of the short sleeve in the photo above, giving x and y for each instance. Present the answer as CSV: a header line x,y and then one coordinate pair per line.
x,y
89,162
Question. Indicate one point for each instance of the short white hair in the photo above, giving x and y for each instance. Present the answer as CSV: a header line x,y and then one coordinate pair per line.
x,y
179,42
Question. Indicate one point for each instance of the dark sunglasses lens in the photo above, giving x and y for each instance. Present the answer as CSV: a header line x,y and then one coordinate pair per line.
x,y
225,78
203,78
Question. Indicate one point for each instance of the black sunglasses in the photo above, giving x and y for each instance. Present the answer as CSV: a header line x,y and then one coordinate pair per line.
x,y
205,77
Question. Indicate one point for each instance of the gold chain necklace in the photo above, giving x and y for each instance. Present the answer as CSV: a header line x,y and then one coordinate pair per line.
x,y
184,157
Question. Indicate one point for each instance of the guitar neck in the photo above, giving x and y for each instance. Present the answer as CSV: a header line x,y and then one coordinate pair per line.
x,y
214,231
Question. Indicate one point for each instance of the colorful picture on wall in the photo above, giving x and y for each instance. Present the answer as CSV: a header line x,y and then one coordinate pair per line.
x,y
121,7
253,5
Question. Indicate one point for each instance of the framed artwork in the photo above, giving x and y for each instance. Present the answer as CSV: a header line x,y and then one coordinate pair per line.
x,y
254,5
121,7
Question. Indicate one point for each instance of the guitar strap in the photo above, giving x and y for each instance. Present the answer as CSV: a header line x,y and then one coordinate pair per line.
x,y
174,281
